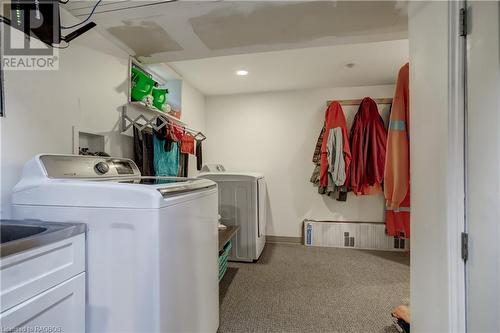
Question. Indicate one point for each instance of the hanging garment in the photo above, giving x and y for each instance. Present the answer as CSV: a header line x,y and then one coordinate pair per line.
x,y
315,175
138,149
397,163
148,153
317,150
170,133
336,164
199,160
174,132
144,151
368,139
397,220
187,147
187,144
317,158
334,117
166,163
162,134
183,165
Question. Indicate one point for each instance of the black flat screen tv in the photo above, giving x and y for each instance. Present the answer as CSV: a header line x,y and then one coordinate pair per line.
x,y
37,18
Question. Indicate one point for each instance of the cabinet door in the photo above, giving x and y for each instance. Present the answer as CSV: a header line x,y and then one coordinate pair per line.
x,y
31,272
59,309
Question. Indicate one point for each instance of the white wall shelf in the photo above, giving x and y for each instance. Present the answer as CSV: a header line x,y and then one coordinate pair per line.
x,y
166,78
93,141
141,115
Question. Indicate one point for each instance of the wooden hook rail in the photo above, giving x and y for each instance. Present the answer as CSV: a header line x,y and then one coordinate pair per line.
x,y
356,102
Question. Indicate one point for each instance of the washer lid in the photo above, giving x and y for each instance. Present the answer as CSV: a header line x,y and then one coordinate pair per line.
x,y
167,186
73,181
115,170
231,175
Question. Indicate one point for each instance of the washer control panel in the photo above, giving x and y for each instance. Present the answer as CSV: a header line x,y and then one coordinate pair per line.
x,y
77,166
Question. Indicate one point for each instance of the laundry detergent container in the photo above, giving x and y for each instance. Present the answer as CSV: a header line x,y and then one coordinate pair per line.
x,y
160,97
142,85
242,202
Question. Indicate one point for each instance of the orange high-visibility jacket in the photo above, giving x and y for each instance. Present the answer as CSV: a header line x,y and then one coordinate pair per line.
x,y
397,161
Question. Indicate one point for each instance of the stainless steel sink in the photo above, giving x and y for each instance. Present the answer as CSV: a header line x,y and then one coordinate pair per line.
x,y
10,232
18,236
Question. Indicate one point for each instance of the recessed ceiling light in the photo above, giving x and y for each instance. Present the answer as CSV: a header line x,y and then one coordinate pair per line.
x,y
242,72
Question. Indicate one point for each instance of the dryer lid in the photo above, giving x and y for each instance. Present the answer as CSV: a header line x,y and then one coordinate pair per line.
x,y
230,175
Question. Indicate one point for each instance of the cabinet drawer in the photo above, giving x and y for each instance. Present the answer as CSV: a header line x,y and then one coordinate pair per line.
x,y
59,309
32,272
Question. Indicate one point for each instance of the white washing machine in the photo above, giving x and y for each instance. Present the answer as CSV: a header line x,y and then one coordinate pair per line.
x,y
242,202
152,242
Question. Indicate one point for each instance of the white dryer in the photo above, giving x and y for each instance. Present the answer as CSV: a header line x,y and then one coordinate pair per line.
x,y
152,242
242,202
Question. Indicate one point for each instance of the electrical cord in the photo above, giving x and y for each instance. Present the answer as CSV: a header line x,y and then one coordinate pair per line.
x,y
82,22
4,20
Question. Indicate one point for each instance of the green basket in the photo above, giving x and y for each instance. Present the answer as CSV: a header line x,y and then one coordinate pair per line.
x,y
142,85
224,254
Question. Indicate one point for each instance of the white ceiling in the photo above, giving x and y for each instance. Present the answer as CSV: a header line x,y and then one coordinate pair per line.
x,y
161,31
318,67
285,45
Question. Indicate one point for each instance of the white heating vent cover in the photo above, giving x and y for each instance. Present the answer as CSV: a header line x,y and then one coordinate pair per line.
x,y
357,235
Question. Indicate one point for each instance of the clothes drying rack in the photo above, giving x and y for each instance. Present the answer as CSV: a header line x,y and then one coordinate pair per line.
x,y
356,102
156,120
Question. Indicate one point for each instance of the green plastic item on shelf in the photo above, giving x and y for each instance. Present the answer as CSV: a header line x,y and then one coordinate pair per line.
x,y
223,256
159,98
142,85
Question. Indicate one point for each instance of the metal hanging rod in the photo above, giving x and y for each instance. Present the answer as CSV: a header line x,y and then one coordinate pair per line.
x,y
157,120
195,133
348,102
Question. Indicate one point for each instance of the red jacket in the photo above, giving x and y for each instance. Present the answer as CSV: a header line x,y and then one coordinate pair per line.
x,y
334,117
368,139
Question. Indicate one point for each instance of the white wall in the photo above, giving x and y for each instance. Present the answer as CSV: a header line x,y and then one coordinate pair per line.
x,y
275,133
193,113
87,91
42,106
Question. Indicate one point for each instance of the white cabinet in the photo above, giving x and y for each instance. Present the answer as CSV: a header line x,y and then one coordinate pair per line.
x,y
43,289
59,309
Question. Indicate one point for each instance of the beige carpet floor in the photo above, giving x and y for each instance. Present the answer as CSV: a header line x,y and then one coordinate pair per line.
x,y
293,288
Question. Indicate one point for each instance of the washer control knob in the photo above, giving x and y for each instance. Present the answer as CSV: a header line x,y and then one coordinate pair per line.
x,y
101,168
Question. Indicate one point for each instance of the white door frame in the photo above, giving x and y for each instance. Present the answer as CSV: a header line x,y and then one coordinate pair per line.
x,y
457,167
482,277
